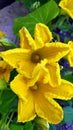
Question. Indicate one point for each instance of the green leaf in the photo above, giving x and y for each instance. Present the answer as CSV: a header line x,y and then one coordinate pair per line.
x,y
3,121
7,44
16,126
60,21
28,126
43,14
30,3
3,84
68,77
7,100
52,127
68,114
65,27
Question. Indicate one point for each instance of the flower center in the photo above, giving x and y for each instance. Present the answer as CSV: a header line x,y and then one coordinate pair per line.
x,y
35,87
2,70
35,58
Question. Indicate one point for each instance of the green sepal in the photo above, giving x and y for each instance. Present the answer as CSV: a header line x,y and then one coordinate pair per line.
x,y
7,44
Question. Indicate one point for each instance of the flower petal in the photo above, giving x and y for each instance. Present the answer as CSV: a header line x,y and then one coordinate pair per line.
x,y
70,58
38,73
26,41
54,51
5,70
26,110
19,86
53,76
67,6
42,35
70,54
19,59
48,109
70,43
64,91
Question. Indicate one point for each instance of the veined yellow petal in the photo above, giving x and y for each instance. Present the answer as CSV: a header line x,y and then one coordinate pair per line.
x,y
5,70
70,58
26,109
54,51
64,91
38,72
67,6
53,76
70,43
19,86
26,68
42,35
48,109
14,56
20,59
26,41
70,54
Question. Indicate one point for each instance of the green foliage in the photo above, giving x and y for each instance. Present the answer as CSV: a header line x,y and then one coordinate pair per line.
x,y
17,126
65,26
3,84
52,127
69,78
8,103
31,3
63,23
7,44
68,75
28,126
7,100
14,126
68,114
44,14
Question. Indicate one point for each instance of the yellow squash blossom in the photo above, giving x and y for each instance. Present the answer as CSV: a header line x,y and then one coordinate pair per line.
x,y
67,6
2,34
70,54
33,51
5,70
37,99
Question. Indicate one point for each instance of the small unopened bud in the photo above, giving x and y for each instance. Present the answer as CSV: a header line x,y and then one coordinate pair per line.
x,y
43,124
7,44
35,5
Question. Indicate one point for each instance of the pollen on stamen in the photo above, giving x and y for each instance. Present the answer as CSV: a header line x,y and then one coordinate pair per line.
x,y
35,87
35,58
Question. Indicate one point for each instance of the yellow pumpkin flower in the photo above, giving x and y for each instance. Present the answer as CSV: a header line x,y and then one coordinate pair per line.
x,y
37,99
2,34
5,70
33,51
70,54
67,7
